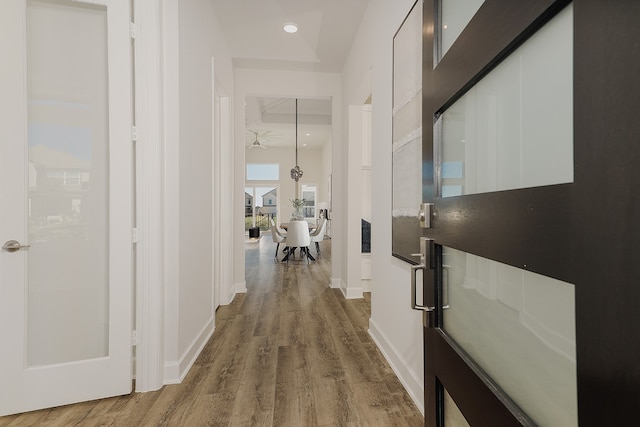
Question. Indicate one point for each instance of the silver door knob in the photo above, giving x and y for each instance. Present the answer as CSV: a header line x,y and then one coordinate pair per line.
x,y
13,246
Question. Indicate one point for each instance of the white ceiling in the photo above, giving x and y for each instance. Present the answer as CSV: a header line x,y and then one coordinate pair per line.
x,y
274,120
326,28
254,34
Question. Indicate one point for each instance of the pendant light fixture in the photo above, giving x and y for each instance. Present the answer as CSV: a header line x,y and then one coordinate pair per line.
x,y
296,172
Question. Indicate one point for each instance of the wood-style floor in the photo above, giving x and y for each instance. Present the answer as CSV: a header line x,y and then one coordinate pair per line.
x,y
289,352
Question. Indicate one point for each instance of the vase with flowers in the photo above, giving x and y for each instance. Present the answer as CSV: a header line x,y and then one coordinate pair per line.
x,y
298,205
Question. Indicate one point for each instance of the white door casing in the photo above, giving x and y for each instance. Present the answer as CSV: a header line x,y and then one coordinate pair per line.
x,y
29,381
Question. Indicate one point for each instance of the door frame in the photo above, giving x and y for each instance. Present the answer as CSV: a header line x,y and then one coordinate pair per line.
x,y
156,77
220,175
595,224
149,175
225,216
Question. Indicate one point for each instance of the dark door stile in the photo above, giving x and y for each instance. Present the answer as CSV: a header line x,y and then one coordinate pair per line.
x,y
584,233
606,209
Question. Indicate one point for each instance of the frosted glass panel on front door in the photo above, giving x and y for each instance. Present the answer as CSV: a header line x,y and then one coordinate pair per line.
x,y
514,128
68,307
520,328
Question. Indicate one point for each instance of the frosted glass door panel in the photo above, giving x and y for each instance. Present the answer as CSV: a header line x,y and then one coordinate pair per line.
x,y
520,328
454,17
68,307
514,128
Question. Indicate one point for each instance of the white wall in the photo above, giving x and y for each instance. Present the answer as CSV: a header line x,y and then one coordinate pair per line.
x,y
286,84
192,39
394,326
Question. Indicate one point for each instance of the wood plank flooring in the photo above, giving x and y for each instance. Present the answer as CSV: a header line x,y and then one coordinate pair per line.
x,y
289,352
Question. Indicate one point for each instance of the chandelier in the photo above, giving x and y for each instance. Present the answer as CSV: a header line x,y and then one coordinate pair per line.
x,y
296,172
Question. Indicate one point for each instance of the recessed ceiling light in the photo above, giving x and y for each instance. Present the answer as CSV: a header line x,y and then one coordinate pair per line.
x,y
290,27
304,145
308,134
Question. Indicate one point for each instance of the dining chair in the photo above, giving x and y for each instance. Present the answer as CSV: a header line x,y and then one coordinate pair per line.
x,y
277,238
317,235
281,230
298,237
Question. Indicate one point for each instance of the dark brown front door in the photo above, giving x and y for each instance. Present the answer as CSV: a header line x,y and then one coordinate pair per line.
x,y
530,154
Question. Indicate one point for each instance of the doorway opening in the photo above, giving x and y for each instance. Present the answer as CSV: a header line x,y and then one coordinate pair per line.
x,y
279,132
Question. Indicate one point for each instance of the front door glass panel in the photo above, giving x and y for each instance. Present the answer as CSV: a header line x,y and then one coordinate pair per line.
x,y
68,203
514,128
519,327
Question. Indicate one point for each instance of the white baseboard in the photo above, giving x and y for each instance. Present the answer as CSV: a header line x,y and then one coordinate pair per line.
x,y
408,378
229,297
175,371
347,292
352,293
240,288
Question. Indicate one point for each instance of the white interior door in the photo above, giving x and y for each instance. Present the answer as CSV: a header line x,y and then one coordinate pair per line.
x,y
66,191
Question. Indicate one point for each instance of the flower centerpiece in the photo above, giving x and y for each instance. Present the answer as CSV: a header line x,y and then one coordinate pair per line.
x,y
297,213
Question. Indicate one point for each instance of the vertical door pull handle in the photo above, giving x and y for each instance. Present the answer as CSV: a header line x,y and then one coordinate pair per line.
x,y
414,305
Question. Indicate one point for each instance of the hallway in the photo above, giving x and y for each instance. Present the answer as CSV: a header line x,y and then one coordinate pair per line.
x,y
289,352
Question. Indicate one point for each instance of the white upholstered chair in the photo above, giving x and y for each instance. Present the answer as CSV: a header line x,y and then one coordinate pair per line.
x,y
281,231
277,238
298,237
317,235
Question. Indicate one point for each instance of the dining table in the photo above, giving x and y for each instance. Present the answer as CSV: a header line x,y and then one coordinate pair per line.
x,y
285,226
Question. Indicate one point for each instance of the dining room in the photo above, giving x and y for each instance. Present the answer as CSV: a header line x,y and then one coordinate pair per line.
x,y
288,175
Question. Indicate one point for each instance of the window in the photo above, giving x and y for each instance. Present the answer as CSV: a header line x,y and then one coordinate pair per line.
x,y
309,195
263,172
261,206
72,178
